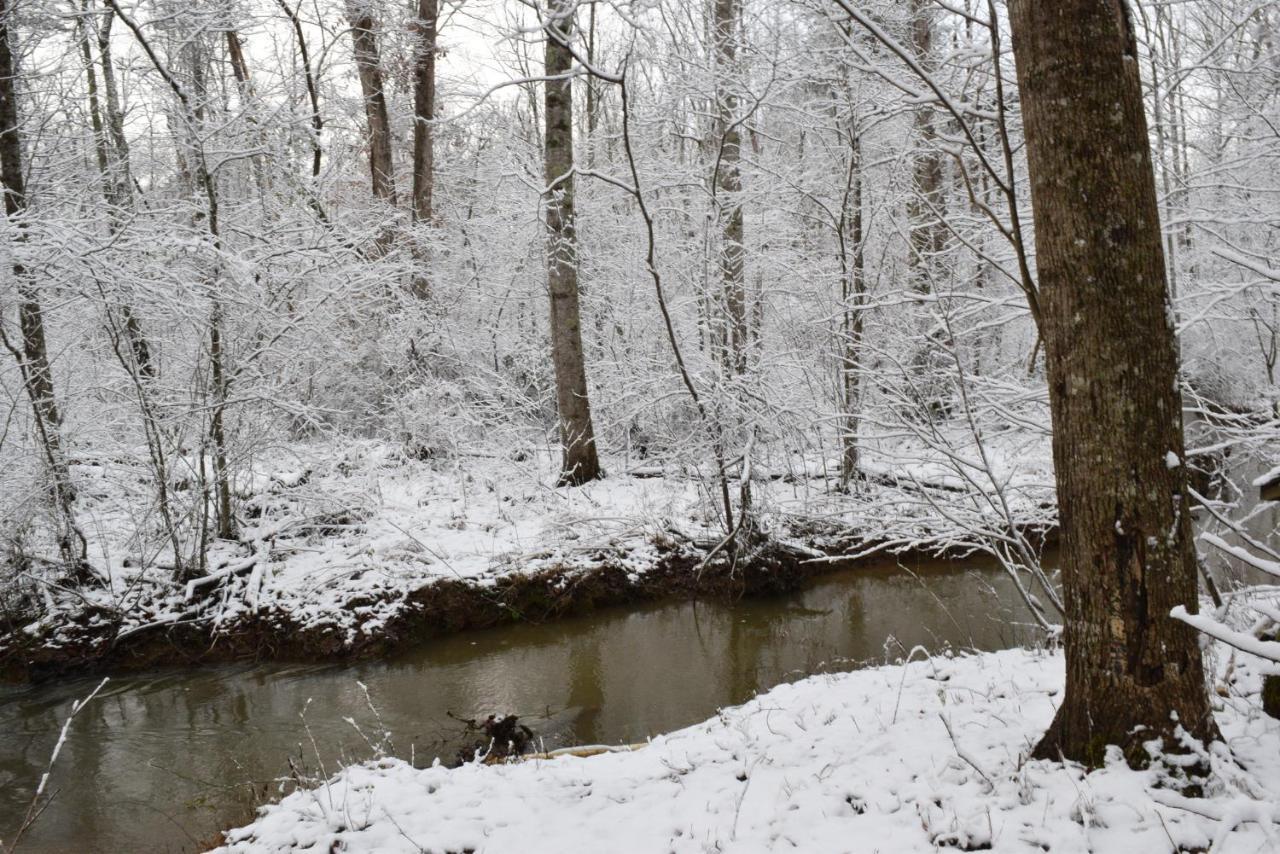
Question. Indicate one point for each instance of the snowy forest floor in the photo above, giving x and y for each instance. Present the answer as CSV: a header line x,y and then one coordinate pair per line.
x,y
923,756
351,548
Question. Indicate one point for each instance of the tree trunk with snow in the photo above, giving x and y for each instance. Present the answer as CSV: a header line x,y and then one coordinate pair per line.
x,y
32,352
577,434
369,68
727,150
924,207
853,298
424,109
1133,673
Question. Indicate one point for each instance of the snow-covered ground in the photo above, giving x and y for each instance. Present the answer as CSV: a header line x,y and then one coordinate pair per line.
x,y
338,536
917,757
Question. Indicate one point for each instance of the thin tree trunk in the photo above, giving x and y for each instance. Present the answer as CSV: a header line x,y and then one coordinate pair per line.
x,y
728,187
853,300
424,110
927,236
121,172
32,354
248,98
118,194
313,97
205,182
593,96
369,68
239,66
191,118
1133,673
577,434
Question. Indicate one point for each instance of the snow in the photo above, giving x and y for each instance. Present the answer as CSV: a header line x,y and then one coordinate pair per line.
x,y
1268,651
339,535
1270,567
916,757
1271,475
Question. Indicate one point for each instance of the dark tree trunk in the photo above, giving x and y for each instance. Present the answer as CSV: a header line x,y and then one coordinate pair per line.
x,y
424,110
239,66
728,188
32,353
577,435
369,68
1133,673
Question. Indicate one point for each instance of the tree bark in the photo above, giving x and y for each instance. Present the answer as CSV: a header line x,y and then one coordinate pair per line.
x,y
728,188
853,296
122,173
577,434
369,68
33,353
239,66
424,110
1133,673
593,94
927,235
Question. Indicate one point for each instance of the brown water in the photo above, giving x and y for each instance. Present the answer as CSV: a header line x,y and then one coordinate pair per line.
x,y
161,762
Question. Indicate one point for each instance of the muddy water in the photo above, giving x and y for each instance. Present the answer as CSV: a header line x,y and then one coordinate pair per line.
x,y
161,762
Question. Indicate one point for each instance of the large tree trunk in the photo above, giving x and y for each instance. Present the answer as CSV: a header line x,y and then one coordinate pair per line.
x,y
577,435
1133,673
32,353
424,110
728,188
369,68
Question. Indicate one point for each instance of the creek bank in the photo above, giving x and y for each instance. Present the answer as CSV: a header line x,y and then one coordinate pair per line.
x,y
925,755
607,578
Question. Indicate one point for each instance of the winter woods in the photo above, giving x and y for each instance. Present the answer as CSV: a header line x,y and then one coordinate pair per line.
x,y
799,258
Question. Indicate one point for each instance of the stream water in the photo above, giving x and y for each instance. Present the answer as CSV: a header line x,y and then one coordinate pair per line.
x,y
163,761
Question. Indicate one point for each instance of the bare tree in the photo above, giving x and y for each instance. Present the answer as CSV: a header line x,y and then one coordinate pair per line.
x,y
928,234
727,186
369,67
1127,551
205,184
32,353
853,297
424,109
313,99
112,156
577,434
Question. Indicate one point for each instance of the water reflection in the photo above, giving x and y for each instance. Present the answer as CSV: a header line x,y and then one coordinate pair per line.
x,y
161,762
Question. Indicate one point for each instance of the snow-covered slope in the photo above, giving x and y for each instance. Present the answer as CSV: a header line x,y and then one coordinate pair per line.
x,y
918,757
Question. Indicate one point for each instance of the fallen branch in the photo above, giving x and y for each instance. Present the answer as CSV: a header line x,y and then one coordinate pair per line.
x,y
237,568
